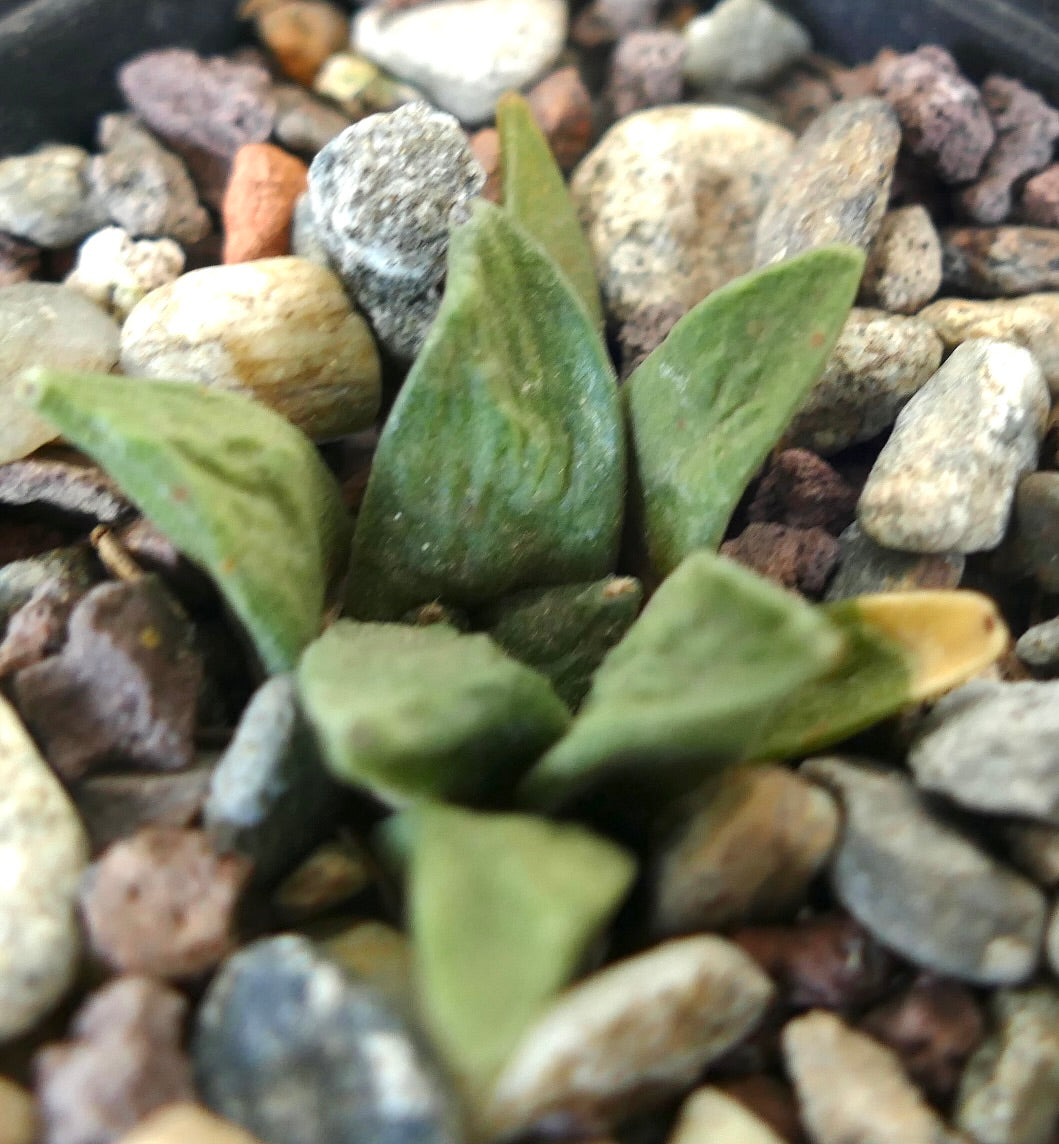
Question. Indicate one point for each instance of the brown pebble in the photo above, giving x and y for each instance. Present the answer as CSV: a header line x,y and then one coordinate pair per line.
x,y
802,558
942,115
305,124
486,147
301,34
1026,129
768,1098
563,109
1040,198
646,70
645,331
60,480
604,21
162,903
18,1116
38,628
934,1026
802,490
259,202
1003,261
330,876
826,962
123,1061
800,96
124,687
903,272
19,260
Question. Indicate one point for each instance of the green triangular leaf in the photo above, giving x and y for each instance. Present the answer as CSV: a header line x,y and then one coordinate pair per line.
x,y
712,656
501,465
708,405
425,712
536,197
503,908
232,484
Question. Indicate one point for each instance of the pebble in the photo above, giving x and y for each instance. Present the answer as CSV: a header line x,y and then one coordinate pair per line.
x,y
945,480
1002,261
19,260
124,1060
748,852
45,324
602,22
305,124
145,189
646,70
655,245
259,202
124,687
1038,647
44,851
742,43
1037,527
1039,205
184,1123
1010,1091
384,196
562,108
38,628
852,1090
329,877
46,197
1034,848
18,1115
770,1099
799,558
290,1047
836,184
485,146
1026,131
162,903
645,331
20,579
943,117
279,329
379,954
464,54
115,271
865,568
992,747
305,239
359,88
710,1115
922,887
879,363
933,1026
903,271
270,798
62,481
301,34
802,490
204,109
1031,321
632,1033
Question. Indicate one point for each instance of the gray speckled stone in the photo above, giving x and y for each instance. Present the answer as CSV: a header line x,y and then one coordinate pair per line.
x,y
904,264
924,889
298,1052
865,567
993,747
1038,647
878,363
44,852
46,197
742,43
384,195
945,480
670,199
836,185
1037,527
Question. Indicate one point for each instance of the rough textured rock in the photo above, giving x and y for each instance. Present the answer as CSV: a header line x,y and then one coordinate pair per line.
x,y
464,54
802,490
115,271
123,1062
1039,205
742,43
1010,1091
281,330
633,1032
45,851
655,242
747,852
865,567
922,887
1002,261
1037,527
836,184
124,686
903,271
384,195
942,115
709,1114
799,558
46,197
291,1048
646,71
259,202
852,1090
879,362
945,481
38,628
144,188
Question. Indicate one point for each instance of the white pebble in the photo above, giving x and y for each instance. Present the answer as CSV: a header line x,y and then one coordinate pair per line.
x,y
115,271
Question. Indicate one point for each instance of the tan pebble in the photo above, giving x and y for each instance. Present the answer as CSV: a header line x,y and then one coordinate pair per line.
x,y
709,1116
380,954
486,147
259,202
903,271
18,1118
186,1124
301,34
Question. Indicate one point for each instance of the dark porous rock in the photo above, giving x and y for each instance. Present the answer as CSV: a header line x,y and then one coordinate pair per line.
x,y
562,107
19,260
933,1025
835,185
38,628
802,490
116,806
293,1049
204,109
865,567
1000,262
61,480
270,797
1039,205
162,903
1037,527
645,330
943,117
824,962
1026,130
646,70
123,1062
123,689
802,558
922,887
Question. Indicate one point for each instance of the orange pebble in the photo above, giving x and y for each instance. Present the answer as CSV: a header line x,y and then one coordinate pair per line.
x,y
563,108
301,34
486,147
259,201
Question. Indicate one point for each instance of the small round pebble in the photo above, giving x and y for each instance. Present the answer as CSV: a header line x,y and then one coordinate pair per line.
x,y
464,54
116,271
46,197
742,43
903,271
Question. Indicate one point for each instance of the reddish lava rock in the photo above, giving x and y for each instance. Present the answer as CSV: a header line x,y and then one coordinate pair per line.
x,y
259,202
646,71
486,147
1040,198
802,558
803,491
300,34
563,109
645,331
